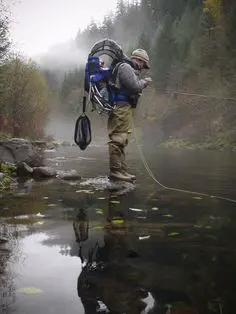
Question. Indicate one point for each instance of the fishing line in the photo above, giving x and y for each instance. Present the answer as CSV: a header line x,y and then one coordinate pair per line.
x,y
154,178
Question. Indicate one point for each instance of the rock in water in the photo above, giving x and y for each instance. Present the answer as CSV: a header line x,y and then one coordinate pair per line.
x,y
44,172
16,150
68,175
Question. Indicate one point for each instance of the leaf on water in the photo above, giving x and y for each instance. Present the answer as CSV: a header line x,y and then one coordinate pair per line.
x,y
197,198
155,208
85,191
99,211
118,221
115,202
22,217
173,234
101,198
52,205
144,238
39,223
168,216
45,198
30,290
136,209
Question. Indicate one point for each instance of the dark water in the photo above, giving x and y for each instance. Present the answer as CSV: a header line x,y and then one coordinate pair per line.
x,y
89,247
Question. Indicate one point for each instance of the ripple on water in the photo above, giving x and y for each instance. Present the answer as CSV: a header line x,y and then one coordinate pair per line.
x,y
103,183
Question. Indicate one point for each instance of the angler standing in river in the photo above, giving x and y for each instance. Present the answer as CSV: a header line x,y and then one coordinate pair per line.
x,y
129,87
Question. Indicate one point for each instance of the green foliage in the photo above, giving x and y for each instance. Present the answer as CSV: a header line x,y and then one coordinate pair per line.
x,y
7,169
24,100
4,33
162,52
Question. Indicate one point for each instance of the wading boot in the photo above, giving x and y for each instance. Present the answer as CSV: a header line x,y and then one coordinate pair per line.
x,y
118,175
132,176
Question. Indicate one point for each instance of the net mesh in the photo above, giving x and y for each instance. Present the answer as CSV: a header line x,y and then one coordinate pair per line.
x,y
83,135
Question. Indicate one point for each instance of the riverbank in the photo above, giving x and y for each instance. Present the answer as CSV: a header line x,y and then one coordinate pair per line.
x,y
217,145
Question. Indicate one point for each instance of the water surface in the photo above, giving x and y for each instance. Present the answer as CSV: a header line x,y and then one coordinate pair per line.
x,y
91,247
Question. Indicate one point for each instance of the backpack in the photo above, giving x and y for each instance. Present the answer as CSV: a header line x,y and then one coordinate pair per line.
x,y
98,77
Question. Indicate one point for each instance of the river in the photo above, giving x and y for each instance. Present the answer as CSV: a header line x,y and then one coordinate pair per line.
x,y
91,247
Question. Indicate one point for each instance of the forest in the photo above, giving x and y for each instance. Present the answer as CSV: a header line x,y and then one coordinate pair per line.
x,y
192,47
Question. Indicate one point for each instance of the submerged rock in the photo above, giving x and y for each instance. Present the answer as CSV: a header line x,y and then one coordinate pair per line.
x,y
68,175
16,150
44,172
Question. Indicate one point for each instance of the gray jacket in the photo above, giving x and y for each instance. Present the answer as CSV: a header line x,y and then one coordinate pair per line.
x,y
127,78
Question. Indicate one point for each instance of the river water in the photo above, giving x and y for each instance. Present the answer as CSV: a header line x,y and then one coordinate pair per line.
x,y
92,247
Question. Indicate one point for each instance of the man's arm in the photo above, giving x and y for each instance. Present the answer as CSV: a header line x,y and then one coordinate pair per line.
x,y
129,79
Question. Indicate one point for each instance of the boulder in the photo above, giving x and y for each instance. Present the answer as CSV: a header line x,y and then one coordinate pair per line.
x,y
39,144
71,175
44,172
16,150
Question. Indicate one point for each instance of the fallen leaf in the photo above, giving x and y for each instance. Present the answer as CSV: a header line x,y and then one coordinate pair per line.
x,y
115,202
99,211
173,234
168,215
30,290
136,209
155,208
197,198
45,198
101,198
52,205
118,221
85,191
144,238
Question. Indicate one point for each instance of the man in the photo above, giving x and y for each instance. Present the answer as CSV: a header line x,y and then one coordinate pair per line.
x,y
129,87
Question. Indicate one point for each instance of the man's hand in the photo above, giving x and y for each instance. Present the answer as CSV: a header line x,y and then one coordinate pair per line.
x,y
148,80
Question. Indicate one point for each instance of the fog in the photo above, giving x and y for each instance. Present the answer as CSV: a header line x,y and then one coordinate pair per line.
x,y
63,56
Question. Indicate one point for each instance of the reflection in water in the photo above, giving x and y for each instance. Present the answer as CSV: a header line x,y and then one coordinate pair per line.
x,y
10,253
113,280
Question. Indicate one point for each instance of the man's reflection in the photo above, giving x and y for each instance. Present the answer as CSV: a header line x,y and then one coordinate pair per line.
x,y
112,279
109,280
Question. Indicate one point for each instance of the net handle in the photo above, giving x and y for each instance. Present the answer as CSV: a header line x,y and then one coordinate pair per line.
x,y
84,104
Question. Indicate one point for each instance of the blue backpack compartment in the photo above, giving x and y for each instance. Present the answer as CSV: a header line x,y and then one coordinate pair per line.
x,y
92,68
95,75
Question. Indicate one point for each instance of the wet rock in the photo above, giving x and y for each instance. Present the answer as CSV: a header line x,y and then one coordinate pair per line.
x,y
39,144
23,170
3,240
71,175
16,150
44,172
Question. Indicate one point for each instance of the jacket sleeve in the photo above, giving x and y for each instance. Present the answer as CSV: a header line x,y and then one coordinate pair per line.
x,y
129,79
